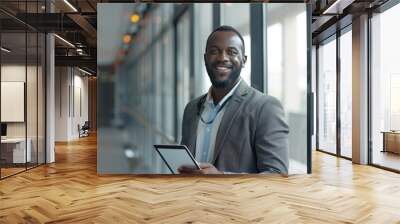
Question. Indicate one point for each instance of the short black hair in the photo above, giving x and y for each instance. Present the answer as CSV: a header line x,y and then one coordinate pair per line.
x,y
227,29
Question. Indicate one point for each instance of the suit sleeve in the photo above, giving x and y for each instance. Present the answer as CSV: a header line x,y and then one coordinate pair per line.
x,y
271,138
184,125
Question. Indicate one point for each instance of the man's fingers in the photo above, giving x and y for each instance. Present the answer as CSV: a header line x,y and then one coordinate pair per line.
x,y
206,168
187,169
190,171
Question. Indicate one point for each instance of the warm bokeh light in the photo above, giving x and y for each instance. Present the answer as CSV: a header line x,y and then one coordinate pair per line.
x,y
126,39
135,18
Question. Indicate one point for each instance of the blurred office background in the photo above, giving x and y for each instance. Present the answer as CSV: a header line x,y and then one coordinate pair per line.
x,y
150,65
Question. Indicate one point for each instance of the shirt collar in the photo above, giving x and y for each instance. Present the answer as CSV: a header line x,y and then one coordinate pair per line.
x,y
226,97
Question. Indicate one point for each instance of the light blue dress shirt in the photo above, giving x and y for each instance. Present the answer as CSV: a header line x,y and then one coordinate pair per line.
x,y
207,133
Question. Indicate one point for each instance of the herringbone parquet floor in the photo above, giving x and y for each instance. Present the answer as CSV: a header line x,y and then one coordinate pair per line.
x,y
70,191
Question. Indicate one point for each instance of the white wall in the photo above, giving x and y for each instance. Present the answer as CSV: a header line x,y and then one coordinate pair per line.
x,y
16,73
62,81
71,94
80,103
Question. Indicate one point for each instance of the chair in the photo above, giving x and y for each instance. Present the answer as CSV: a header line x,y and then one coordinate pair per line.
x,y
84,130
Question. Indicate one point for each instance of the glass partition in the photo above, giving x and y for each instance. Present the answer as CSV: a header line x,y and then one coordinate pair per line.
x,y
229,16
327,96
15,151
22,91
183,68
287,73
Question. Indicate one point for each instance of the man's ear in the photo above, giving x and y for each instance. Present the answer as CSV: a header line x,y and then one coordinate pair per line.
x,y
244,60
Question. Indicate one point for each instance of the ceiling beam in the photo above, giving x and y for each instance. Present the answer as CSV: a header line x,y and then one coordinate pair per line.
x,y
86,26
84,61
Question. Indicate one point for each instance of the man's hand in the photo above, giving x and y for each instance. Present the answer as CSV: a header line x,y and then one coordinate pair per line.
x,y
205,168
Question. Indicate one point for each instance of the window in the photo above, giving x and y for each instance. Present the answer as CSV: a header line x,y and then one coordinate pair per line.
x,y
346,94
287,73
203,27
183,62
327,96
22,74
385,85
229,13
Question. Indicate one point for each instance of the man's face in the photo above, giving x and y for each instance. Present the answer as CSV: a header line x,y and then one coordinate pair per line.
x,y
224,58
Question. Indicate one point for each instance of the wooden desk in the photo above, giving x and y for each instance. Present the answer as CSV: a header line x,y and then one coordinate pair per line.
x,y
391,142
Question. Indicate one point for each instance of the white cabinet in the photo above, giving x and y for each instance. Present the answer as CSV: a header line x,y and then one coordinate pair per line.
x,y
18,149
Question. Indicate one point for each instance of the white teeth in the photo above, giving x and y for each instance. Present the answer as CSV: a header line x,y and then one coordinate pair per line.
x,y
222,68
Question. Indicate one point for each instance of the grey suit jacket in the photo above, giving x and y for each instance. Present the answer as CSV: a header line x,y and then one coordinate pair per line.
x,y
252,136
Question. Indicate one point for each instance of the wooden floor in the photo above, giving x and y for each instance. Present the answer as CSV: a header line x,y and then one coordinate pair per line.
x,y
5,172
387,159
70,191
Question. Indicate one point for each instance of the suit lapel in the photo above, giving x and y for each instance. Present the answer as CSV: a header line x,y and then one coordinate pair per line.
x,y
231,112
193,137
193,128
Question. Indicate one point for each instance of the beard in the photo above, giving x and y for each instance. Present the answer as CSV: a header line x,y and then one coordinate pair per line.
x,y
232,77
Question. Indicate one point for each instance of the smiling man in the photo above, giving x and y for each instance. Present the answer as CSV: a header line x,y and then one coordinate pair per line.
x,y
233,128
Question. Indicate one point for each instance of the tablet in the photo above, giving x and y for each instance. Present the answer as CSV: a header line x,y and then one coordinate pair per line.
x,y
175,156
